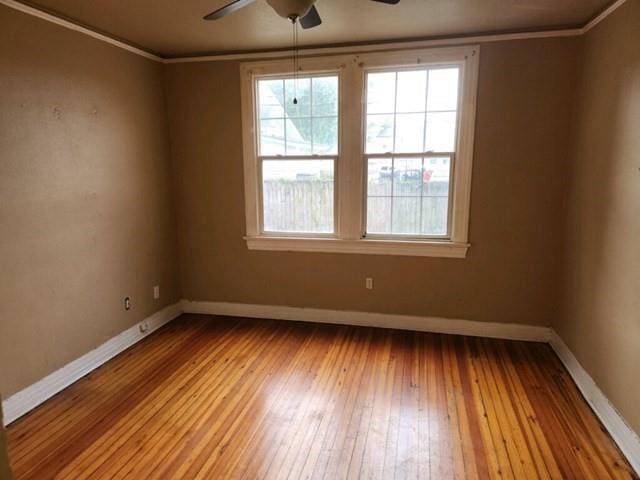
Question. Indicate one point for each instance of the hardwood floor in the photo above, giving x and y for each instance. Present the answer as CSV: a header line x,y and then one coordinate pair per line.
x,y
209,397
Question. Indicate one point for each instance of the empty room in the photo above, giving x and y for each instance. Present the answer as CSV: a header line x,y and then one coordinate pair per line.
x,y
320,239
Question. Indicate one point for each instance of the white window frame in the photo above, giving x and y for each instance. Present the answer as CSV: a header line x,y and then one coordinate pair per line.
x,y
350,167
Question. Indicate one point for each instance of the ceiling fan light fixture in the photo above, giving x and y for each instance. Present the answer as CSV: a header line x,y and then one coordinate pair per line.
x,y
291,9
298,11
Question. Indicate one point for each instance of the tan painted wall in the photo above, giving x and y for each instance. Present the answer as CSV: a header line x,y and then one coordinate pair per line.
x,y
600,316
519,173
5,471
85,204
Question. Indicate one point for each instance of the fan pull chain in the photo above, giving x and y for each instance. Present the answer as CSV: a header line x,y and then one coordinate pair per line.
x,y
294,21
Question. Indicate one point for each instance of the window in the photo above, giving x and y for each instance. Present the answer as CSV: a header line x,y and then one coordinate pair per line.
x,y
298,148
368,153
411,122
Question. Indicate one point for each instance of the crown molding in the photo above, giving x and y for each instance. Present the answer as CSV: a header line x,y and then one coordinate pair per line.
x,y
380,46
604,14
34,12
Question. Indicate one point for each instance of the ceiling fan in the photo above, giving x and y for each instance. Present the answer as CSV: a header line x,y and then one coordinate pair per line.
x,y
294,10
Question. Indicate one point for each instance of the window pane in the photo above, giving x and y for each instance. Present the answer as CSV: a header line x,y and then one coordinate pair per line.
x,y
408,196
443,89
434,215
435,202
298,196
379,133
325,135
379,215
271,98
441,132
299,136
412,90
407,177
272,137
299,89
379,177
409,132
381,92
406,216
325,96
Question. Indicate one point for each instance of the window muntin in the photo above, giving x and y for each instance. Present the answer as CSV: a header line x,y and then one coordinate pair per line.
x,y
298,151
309,127
410,141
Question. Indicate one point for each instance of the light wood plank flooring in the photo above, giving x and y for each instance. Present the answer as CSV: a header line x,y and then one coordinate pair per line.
x,y
216,398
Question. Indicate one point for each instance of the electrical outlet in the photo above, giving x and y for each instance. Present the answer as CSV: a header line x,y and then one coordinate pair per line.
x,y
369,283
156,292
127,303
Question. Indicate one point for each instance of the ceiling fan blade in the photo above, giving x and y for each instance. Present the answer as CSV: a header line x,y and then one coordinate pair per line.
x,y
311,19
390,2
227,9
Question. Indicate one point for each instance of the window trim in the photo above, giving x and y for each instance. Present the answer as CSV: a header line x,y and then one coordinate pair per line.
x,y
408,247
349,172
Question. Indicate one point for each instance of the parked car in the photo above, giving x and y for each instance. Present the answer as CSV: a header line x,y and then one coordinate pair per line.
x,y
410,175
386,171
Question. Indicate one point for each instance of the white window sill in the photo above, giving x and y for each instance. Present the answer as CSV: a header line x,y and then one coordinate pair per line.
x,y
411,248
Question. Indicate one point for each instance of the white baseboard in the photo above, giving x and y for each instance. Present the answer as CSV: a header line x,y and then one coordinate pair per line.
x,y
627,440
32,396
26,400
622,434
509,331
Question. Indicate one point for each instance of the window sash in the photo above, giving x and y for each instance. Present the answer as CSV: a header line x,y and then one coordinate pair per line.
x,y
412,68
290,76
300,234
423,155
293,157
393,154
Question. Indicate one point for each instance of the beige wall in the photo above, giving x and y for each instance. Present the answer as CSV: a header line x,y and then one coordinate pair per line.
x,y
86,201
515,230
600,315
85,204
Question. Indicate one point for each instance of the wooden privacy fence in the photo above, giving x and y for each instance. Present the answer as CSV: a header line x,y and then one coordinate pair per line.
x,y
307,205
294,205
